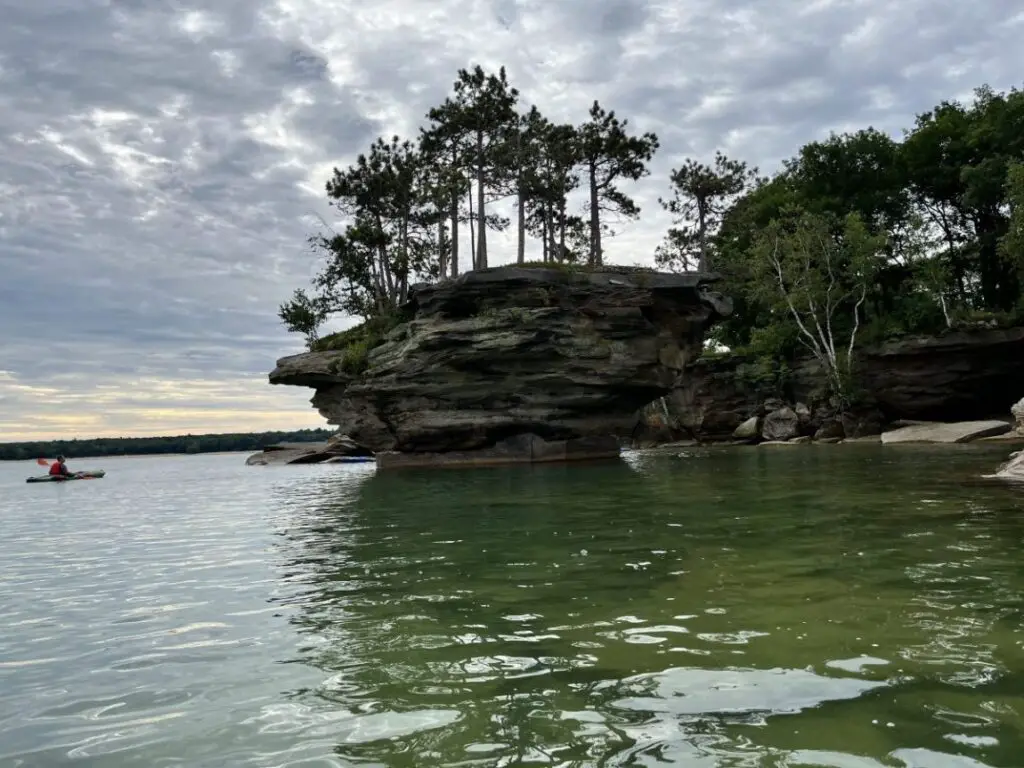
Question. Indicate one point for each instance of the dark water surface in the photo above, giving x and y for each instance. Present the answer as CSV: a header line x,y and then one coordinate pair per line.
x,y
830,606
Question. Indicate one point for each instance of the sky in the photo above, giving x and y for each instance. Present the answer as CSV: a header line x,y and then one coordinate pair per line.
x,y
162,163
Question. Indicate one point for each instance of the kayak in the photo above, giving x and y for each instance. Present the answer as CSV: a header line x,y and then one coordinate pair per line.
x,y
353,460
86,475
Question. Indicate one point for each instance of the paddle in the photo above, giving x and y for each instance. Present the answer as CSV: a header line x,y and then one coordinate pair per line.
x,y
42,462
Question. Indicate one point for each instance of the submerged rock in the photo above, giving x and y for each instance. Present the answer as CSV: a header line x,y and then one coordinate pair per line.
x,y
959,432
510,351
338,446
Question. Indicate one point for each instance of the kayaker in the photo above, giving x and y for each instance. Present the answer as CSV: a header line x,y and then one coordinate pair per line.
x,y
59,468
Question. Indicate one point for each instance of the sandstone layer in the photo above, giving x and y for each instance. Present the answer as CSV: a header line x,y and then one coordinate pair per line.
x,y
508,351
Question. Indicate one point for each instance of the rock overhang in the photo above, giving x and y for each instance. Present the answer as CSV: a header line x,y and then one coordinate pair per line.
x,y
558,353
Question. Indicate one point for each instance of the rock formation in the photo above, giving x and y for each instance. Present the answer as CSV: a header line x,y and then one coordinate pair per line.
x,y
501,353
960,376
338,447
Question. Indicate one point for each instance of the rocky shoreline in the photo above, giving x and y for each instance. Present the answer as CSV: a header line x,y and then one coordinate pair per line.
x,y
531,365
964,375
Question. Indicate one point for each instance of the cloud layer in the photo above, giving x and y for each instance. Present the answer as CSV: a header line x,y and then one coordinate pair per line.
x,y
161,164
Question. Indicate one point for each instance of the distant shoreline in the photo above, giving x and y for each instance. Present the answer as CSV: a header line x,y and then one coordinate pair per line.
x,y
168,445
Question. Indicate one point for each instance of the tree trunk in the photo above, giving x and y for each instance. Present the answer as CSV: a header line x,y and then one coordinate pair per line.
x,y
545,232
472,233
454,214
561,229
481,262
521,254
596,257
442,249
702,229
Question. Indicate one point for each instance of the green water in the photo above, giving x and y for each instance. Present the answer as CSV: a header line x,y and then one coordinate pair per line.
x,y
832,606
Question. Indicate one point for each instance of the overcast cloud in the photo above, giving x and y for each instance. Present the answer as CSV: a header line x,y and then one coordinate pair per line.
x,y
161,162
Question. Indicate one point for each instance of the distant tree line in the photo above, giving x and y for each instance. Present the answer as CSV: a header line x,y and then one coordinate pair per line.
x,y
142,446
857,238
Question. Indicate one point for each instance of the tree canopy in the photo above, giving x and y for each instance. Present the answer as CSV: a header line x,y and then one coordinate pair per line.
x,y
857,238
403,202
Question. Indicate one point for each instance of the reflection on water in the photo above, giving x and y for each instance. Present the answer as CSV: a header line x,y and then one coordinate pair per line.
x,y
852,607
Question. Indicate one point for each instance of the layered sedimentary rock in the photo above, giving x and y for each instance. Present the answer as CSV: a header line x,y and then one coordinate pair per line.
x,y
508,351
961,376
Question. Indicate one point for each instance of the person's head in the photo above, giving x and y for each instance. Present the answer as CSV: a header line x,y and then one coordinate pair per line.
x,y
60,459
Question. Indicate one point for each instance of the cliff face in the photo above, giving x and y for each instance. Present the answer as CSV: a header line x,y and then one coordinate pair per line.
x,y
961,376
510,351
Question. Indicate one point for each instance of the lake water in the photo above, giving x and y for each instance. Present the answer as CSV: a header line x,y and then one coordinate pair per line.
x,y
813,606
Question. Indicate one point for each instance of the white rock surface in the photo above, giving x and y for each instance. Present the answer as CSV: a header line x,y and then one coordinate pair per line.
x,y
958,432
1018,414
1013,469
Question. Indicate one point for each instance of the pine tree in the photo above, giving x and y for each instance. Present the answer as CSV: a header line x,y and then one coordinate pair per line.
x,y
700,196
609,154
475,123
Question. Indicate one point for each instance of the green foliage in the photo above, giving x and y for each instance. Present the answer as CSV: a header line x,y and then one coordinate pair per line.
x,y
477,125
700,194
763,373
814,273
608,154
356,342
1011,246
402,203
145,446
303,314
946,202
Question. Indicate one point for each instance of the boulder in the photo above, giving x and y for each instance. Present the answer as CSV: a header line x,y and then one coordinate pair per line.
x,y
805,417
781,424
830,430
864,422
496,353
1018,415
749,429
959,432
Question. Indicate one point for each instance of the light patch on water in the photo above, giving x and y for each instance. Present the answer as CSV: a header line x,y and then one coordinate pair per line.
x,y
814,758
195,626
691,691
199,644
978,742
742,637
28,662
857,664
927,758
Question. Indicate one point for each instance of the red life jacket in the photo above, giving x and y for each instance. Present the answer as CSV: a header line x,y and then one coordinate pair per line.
x,y
57,469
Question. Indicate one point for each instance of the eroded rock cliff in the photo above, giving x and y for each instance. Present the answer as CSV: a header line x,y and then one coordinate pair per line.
x,y
512,351
961,376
